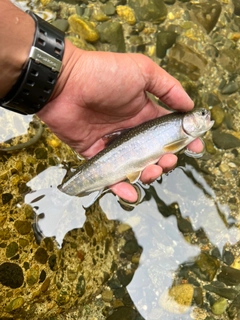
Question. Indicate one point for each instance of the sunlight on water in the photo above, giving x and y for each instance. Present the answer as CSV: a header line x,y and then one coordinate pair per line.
x,y
183,195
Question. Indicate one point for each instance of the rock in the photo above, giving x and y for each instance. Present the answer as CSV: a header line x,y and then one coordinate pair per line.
x,y
229,276
41,255
207,14
224,292
108,8
15,304
152,10
225,140
23,227
11,249
61,24
81,43
112,33
131,247
220,306
83,28
165,40
230,88
127,14
183,60
206,267
124,313
107,295
177,299
236,4
11,275
228,257
217,114
229,59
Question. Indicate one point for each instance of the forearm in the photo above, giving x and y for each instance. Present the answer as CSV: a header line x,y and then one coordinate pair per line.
x,y
16,37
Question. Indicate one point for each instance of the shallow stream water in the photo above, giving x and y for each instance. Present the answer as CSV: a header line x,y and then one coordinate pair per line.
x,y
176,255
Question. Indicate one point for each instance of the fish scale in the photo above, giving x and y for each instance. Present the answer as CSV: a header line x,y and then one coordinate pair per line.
x,y
135,149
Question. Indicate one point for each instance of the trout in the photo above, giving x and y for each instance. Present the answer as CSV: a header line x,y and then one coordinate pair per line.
x,y
134,150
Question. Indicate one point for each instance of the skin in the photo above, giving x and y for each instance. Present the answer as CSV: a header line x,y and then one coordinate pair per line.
x,y
96,93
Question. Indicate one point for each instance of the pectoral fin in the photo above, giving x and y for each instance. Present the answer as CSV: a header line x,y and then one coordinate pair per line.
x,y
133,177
175,146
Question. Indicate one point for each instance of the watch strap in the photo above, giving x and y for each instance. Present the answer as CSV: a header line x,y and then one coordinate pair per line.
x,y
36,83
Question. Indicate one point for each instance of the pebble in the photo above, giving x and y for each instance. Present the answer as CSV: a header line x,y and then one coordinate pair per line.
x,y
107,295
225,140
127,14
83,28
177,299
220,306
15,304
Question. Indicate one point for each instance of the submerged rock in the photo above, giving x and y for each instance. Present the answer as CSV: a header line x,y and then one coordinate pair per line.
x,y
225,140
151,10
207,13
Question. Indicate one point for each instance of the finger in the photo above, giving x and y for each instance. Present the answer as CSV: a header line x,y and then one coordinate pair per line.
x,y
196,146
151,173
166,88
125,191
168,162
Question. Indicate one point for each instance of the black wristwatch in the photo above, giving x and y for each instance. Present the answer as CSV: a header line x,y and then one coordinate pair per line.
x,y
36,83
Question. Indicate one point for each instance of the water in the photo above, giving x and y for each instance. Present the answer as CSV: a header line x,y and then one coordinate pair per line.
x,y
180,236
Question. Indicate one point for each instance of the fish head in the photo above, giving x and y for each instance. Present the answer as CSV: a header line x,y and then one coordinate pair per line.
x,y
197,122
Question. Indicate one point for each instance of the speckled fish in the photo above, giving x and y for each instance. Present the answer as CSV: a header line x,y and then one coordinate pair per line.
x,y
132,151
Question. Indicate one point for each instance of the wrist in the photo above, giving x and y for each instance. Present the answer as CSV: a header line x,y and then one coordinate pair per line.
x,y
16,36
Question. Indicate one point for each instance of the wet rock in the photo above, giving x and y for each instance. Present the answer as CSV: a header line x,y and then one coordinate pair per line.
x,y
124,276
224,292
152,10
81,286
234,308
108,8
228,257
165,40
183,60
112,33
217,114
11,275
124,313
184,225
33,275
177,299
127,14
230,88
220,306
229,276
207,14
23,227
107,295
41,153
131,247
15,304
225,140
229,59
41,255
236,4
6,197
45,285
11,249
206,267
61,24
83,28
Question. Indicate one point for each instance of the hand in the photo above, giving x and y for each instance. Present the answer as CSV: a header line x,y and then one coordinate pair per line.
x,y
98,93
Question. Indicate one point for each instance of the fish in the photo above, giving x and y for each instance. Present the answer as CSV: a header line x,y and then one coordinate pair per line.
x,y
135,149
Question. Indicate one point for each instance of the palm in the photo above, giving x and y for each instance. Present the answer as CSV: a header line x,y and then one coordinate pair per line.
x,y
102,92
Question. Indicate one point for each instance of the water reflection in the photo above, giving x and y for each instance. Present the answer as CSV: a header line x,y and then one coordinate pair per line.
x,y
178,220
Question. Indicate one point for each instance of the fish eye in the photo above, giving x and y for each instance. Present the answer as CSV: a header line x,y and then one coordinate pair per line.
x,y
203,112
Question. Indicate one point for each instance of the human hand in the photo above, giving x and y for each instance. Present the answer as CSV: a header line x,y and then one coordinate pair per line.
x,y
98,93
